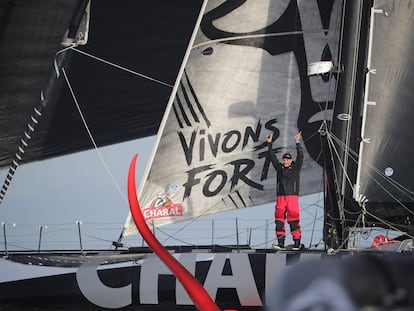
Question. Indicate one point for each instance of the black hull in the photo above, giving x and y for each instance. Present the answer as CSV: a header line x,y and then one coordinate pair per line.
x,y
242,280
139,281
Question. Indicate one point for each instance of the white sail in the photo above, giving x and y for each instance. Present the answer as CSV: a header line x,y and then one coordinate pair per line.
x,y
245,77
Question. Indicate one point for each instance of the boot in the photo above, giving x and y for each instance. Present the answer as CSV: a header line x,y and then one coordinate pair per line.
x,y
280,244
296,244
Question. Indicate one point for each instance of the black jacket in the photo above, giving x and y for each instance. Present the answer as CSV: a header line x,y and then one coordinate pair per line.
x,y
287,177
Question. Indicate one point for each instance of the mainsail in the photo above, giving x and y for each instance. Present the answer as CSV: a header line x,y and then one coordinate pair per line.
x,y
385,176
371,131
245,76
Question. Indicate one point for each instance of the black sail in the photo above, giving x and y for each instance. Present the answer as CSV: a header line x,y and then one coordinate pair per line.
x,y
385,176
373,114
146,37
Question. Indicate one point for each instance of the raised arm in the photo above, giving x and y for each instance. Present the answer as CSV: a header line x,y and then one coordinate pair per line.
x,y
273,158
299,151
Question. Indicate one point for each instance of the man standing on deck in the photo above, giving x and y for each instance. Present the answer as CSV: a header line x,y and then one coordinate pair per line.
x,y
287,203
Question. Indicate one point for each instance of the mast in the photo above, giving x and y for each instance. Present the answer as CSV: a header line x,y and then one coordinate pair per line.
x,y
340,167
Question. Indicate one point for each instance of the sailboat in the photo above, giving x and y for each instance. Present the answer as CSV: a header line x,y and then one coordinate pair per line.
x,y
331,69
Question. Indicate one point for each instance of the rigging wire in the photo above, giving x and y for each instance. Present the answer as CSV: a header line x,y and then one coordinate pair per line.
x,y
390,224
332,148
73,48
314,222
353,156
342,164
91,136
121,67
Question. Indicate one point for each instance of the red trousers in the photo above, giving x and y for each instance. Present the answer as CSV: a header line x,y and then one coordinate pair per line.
x,y
287,206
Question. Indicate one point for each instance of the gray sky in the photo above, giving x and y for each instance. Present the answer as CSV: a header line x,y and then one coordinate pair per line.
x,y
73,187
65,189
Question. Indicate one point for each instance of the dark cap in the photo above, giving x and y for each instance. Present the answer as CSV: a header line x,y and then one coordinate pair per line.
x,y
287,156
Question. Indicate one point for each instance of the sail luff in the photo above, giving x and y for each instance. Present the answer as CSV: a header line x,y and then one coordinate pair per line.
x,y
172,96
351,99
364,140
345,122
129,228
